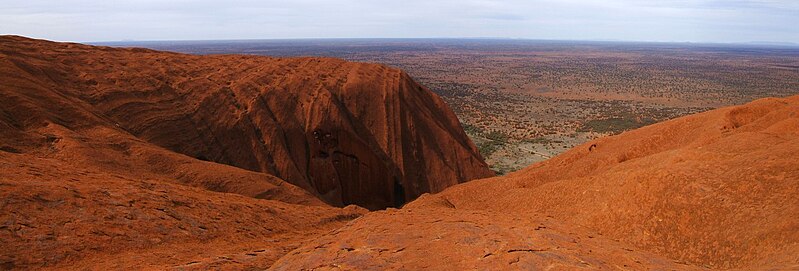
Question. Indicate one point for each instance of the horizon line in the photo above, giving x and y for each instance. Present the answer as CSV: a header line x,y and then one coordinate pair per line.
x,y
129,41
750,43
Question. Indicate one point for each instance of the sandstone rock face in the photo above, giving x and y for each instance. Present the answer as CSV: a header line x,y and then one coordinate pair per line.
x,y
713,190
60,214
350,133
101,167
78,191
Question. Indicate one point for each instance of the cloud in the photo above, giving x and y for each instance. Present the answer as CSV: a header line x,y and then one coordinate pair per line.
x,y
666,20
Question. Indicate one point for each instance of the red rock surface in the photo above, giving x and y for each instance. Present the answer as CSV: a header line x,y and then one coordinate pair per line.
x,y
445,238
712,190
99,170
99,148
58,214
351,133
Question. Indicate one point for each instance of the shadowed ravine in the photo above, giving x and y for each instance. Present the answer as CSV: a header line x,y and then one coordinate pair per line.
x,y
344,131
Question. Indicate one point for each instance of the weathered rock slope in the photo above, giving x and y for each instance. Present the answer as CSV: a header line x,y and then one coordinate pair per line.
x,y
713,190
102,149
350,133
65,215
101,167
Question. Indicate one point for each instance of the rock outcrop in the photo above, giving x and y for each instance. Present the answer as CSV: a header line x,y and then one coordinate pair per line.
x,y
78,191
350,133
135,159
712,190
115,158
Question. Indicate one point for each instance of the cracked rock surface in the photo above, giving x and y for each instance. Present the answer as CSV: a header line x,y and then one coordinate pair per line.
x,y
714,190
451,239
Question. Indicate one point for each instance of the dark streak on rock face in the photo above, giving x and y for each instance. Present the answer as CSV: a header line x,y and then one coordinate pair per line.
x,y
348,132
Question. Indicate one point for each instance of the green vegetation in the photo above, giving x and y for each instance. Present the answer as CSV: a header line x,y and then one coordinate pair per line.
x,y
471,129
497,136
487,143
486,148
614,125
494,141
537,140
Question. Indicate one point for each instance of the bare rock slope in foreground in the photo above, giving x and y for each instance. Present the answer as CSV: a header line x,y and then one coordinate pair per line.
x,y
350,133
713,190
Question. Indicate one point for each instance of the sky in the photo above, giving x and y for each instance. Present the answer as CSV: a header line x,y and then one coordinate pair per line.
x,y
730,21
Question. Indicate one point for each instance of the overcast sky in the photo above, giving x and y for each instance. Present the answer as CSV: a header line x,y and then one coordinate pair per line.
x,y
634,20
